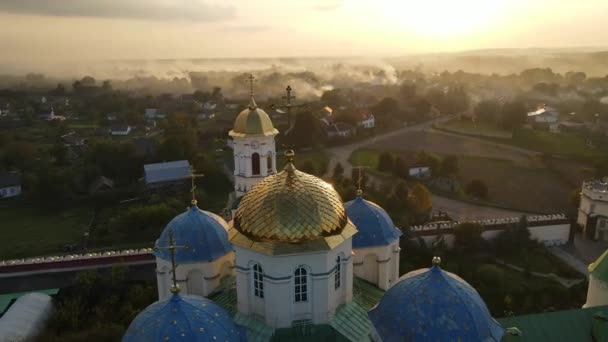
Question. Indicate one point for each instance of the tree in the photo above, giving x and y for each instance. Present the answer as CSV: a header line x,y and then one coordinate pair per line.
x,y
338,171
420,200
398,199
513,115
449,166
386,107
307,167
487,111
400,168
428,159
106,86
467,237
385,162
477,188
59,90
306,131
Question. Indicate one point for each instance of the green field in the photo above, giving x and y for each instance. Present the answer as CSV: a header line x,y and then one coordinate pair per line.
x,y
568,144
475,128
533,189
26,231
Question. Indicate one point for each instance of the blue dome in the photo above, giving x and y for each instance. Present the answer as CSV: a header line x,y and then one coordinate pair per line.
x,y
203,232
375,226
434,305
183,318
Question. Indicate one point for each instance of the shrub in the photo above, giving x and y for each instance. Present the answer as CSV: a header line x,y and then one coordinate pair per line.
x,y
477,188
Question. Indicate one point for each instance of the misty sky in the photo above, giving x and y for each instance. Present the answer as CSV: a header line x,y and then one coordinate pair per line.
x,y
117,29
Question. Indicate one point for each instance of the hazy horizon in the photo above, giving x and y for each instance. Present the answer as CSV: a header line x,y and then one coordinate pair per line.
x,y
65,30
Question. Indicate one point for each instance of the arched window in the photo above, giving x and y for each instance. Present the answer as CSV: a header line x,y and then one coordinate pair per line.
x,y
338,274
301,285
255,164
258,281
269,162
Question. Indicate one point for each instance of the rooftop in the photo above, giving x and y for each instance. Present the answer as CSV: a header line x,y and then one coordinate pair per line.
x,y
169,171
581,325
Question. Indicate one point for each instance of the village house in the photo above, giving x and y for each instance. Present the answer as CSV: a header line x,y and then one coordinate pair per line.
x,y
545,117
340,130
365,120
593,209
10,184
153,113
167,175
120,130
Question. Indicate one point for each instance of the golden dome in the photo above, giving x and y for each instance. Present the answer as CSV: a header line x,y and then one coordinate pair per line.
x,y
293,207
253,121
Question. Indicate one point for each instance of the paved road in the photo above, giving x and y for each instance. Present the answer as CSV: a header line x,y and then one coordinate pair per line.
x,y
340,154
464,211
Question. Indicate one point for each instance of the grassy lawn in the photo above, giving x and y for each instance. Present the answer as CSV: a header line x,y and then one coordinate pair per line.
x,y
26,231
365,157
542,261
475,128
569,144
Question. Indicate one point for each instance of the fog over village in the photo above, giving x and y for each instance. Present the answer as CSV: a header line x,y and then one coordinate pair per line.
x,y
351,170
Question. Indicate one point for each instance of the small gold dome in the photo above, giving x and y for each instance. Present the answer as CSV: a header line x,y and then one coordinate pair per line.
x,y
292,207
253,121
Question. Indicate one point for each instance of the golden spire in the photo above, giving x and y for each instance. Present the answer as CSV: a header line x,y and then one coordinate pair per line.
x,y
289,167
252,104
436,261
193,175
172,247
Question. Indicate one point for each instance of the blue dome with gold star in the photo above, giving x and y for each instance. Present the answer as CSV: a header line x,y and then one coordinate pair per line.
x,y
184,318
204,233
375,226
434,305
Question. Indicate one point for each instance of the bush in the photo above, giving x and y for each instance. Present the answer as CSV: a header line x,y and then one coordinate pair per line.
x,y
490,275
477,188
385,162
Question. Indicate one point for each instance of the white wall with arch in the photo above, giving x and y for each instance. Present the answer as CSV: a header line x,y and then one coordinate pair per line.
x,y
289,296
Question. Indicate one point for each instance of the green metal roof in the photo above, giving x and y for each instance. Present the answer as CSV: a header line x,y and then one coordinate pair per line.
x,y
7,299
365,294
352,322
599,268
257,331
570,325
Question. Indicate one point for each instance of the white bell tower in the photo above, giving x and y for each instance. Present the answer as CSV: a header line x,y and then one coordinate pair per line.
x,y
254,147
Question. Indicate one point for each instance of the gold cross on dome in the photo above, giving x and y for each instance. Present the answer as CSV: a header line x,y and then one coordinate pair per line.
x,y
359,179
171,248
193,176
251,79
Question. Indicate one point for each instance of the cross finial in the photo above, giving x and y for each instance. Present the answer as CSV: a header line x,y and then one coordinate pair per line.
x,y
251,80
289,97
359,180
193,175
171,248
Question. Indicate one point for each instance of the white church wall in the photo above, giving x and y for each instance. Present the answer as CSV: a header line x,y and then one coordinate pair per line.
x,y
244,148
378,265
278,307
195,278
554,233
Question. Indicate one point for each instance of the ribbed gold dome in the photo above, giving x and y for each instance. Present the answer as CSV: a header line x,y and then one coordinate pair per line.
x,y
292,207
253,121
